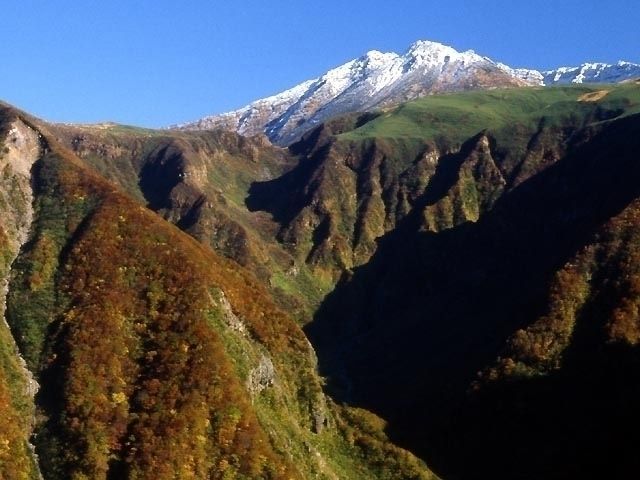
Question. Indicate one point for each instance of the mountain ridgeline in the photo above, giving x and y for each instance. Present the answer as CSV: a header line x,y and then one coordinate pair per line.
x,y
380,80
465,266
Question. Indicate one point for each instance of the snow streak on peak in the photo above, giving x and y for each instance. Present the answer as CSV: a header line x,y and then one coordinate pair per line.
x,y
531,77
593,73
427,53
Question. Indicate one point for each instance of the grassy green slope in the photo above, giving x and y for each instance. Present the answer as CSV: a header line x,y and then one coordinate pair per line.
x,y
457,117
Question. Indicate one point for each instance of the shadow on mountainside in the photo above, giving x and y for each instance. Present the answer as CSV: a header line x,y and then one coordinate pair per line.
x,y
406,334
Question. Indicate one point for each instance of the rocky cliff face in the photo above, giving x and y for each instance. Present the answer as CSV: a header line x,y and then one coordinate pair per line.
x,y
199,181
359,177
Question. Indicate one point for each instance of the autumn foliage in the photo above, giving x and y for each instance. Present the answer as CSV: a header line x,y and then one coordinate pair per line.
x,y
15,461
147,389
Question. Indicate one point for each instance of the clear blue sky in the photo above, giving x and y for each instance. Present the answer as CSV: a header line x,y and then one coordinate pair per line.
x,y
157,62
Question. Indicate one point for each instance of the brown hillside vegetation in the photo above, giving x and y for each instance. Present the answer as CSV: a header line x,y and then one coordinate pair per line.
x,y
147,346
593,96
465,265
148,390
199,181
15,459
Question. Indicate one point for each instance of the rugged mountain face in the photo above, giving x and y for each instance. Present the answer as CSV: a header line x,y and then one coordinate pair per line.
x,y
155,356
513,335
463,264
358,177
379,80
494,326
199,182
374,80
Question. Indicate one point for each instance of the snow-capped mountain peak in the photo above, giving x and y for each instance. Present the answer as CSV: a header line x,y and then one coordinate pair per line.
x,y
533,77
378,79
368,67
595,72
433,54
376,58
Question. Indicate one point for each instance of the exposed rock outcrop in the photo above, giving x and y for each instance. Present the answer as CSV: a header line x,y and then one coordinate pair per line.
x,y
262,376
21,148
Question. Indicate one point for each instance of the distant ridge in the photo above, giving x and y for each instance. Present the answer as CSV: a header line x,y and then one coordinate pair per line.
x,y
593,73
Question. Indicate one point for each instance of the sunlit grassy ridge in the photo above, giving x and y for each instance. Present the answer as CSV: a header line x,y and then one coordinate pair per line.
x,y
458,116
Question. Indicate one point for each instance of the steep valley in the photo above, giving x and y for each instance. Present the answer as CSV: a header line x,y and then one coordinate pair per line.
x,y
449,285
156,357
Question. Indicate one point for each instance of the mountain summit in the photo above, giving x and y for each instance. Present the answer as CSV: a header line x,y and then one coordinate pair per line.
x,y
375,79
379,79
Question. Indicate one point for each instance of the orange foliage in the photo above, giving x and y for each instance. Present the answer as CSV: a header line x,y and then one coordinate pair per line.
x,y
623,245
15,463
148,385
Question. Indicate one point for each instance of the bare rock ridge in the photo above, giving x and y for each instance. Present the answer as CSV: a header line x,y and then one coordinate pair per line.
x,y
378,80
